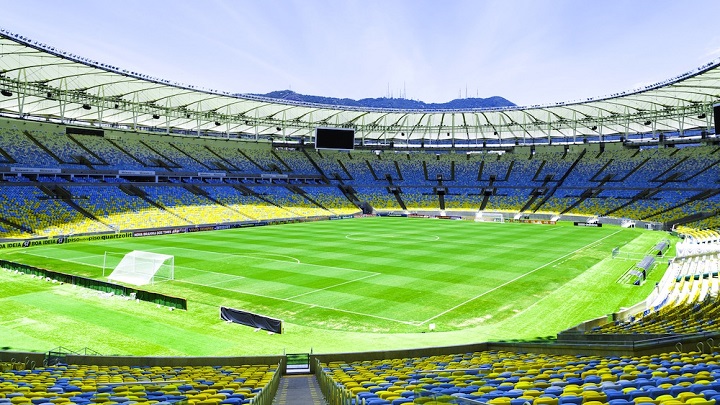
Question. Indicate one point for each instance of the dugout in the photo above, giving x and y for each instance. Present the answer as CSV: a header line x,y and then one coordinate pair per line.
x,y
661,248
642,268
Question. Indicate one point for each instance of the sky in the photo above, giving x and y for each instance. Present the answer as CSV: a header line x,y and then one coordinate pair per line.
x,y
528,51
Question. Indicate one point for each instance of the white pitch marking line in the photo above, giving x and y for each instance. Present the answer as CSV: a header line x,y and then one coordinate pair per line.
x,y
306,304
251,255
413,323
275,260
99,266
225,281
517,278
65,260
333,286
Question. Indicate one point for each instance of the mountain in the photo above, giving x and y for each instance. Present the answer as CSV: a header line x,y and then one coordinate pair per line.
x,y
399,103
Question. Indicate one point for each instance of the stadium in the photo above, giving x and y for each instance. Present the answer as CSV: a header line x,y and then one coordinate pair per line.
x,y
163,243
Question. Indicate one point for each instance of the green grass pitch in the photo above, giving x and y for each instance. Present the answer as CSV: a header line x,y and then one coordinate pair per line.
x,y
350,285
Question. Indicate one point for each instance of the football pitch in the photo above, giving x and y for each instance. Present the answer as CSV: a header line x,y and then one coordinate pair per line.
x,y
351,285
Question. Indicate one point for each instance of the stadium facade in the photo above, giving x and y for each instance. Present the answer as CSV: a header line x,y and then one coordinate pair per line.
x,y
92,149
41,82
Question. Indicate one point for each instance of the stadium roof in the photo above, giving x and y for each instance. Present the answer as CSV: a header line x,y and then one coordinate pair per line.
x,y
42,82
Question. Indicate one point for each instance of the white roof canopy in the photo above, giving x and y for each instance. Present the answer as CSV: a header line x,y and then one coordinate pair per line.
x,y
39,81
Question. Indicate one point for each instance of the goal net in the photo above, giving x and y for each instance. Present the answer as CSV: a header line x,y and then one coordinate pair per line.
x,y
138,267
489,217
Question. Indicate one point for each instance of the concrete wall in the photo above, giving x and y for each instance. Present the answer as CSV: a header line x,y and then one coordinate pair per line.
x,y
596,345
396,354
23,357
171,361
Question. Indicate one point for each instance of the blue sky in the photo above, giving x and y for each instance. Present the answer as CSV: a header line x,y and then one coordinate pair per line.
x,y
530,52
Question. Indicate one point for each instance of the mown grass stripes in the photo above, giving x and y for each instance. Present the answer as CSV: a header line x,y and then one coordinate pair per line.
x,y
371,276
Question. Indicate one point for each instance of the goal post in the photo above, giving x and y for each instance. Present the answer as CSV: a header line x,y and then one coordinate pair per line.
x,y
489,217
138,267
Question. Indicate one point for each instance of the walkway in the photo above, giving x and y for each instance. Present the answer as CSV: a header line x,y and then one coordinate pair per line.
x,y
299,390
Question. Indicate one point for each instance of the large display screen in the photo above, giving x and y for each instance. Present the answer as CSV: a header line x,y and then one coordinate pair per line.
x,y
334,138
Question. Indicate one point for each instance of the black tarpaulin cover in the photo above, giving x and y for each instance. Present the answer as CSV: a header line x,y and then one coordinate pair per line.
x,y
250,319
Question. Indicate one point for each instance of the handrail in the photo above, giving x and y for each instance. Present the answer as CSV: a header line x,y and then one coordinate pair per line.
x,y
334,394
267,394
640,343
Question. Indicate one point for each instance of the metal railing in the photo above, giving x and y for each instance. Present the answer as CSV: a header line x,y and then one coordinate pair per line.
x,y
643,343
334,394
447,399
267,395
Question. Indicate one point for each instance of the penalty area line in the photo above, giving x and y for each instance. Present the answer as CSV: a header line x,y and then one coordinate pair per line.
x,y
517,278
259,256
332,286
101,266
65,260
412,323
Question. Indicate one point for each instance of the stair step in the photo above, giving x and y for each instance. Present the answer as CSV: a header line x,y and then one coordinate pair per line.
x,y
299,390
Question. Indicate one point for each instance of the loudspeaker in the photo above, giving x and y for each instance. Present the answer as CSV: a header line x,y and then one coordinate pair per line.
x,y
716,114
